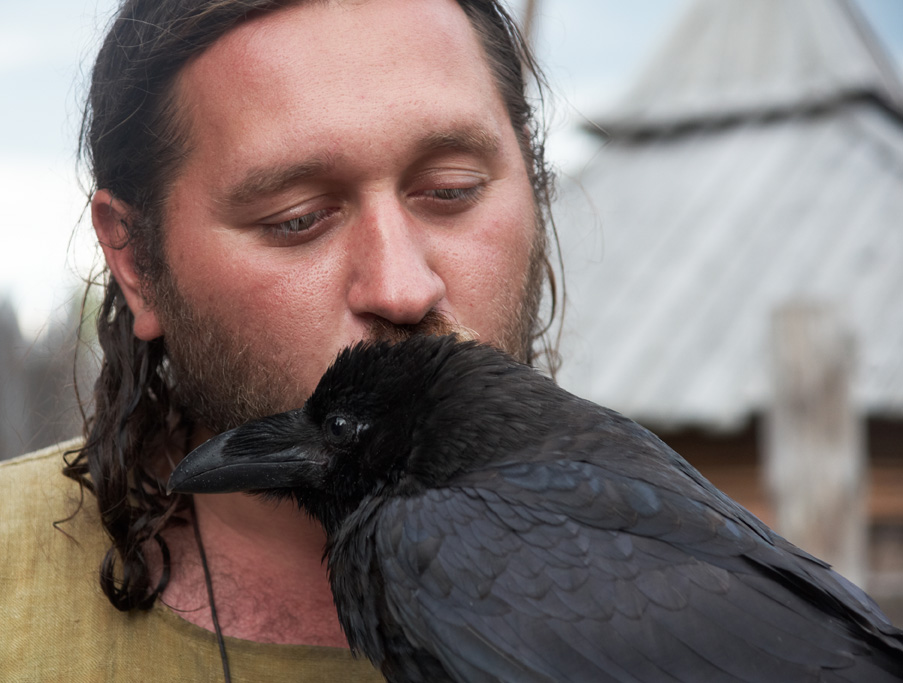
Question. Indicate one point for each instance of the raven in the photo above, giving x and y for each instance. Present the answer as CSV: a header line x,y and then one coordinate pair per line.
x,y
483,524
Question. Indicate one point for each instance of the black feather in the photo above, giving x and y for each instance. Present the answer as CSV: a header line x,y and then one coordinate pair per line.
x,y
485,525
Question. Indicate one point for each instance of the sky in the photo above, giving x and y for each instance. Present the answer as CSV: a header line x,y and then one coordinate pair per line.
x,y
590,50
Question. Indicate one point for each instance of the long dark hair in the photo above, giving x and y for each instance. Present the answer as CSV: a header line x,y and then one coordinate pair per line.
x,y
133,142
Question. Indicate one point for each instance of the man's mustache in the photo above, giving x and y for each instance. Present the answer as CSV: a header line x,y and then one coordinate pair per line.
x,y
433,323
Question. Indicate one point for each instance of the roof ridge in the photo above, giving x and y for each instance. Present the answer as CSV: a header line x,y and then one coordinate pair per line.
x,y
729,60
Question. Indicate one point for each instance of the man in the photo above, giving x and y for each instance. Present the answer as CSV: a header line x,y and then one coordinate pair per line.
x,y
274,181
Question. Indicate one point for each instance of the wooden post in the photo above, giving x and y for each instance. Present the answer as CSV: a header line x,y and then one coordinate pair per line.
x,y
815,464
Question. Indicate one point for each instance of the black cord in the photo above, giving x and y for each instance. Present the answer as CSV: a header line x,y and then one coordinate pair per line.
x,y
219,633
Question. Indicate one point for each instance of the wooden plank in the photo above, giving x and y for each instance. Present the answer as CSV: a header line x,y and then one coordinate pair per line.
x,y
744,483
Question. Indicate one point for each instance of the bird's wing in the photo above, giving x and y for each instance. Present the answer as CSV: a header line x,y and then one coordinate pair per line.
x,y
563,571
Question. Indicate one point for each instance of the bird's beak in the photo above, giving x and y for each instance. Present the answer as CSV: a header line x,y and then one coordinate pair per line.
x,y
270,453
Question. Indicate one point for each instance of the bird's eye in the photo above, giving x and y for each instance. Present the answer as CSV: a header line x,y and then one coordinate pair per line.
x,y
339,430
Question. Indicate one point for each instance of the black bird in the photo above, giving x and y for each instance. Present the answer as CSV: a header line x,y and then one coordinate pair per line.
x,y
485,525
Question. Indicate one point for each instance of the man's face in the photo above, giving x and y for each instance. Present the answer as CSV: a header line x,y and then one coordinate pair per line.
x,y
349,164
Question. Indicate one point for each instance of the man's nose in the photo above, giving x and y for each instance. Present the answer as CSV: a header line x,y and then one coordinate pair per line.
x,y
393,274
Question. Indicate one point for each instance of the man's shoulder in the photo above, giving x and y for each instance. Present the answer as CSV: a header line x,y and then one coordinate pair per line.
x,y
36,481
44,512
35,495
38,461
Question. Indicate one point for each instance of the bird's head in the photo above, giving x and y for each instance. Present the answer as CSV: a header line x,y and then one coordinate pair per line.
x,y
384,417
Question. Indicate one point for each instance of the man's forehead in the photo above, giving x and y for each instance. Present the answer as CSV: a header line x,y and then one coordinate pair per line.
x,y
337,26
369,46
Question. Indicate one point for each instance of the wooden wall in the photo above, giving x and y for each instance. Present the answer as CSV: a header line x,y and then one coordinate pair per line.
x,y
732,463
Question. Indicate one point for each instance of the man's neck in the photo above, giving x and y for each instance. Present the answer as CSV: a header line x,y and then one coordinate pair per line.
x,y
269,581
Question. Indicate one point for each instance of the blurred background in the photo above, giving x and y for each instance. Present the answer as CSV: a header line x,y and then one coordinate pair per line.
x,y
731,220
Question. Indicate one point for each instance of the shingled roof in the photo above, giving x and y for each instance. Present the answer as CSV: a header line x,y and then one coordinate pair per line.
x,y
758,159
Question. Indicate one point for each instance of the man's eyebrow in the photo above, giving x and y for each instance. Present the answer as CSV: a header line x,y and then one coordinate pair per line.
x,y
271,180
471,139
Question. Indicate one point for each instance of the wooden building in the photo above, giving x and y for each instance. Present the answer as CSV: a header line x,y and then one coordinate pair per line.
x,y
755,167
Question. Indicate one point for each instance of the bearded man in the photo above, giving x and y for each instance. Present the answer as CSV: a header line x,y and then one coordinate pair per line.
x,y
273,181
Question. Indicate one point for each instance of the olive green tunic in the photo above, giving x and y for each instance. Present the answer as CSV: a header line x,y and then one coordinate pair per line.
x,y
57,625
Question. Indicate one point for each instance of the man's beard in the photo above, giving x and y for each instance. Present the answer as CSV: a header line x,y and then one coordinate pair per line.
x,y
220,383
